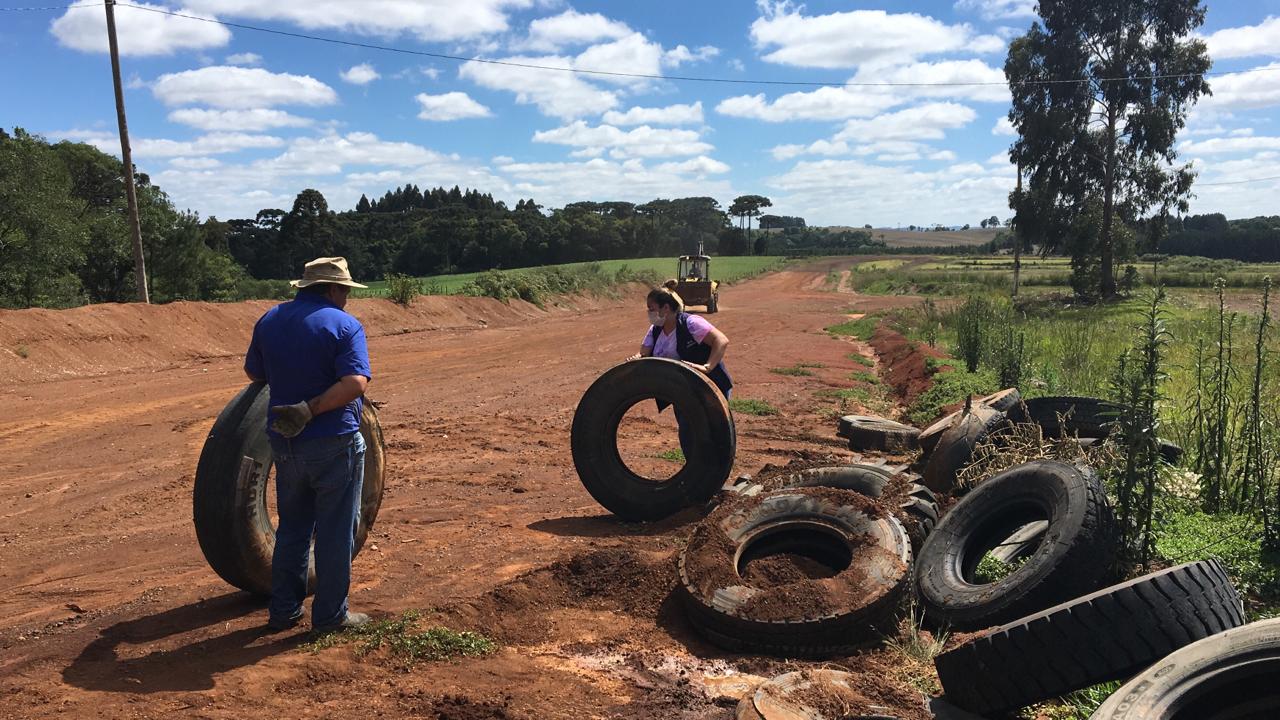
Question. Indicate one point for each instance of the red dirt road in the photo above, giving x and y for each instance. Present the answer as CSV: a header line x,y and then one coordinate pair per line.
x,y
109,610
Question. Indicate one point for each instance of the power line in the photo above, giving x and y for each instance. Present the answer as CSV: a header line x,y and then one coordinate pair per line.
x,y
51,7
654,76
1240,182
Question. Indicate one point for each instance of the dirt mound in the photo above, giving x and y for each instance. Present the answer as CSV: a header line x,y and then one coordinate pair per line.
x,y
40,345
904,363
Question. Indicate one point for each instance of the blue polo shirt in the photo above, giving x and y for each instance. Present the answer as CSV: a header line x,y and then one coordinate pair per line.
x,y
303,347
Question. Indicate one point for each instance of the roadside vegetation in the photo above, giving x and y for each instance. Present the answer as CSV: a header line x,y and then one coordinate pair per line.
x,y
1194,372
402,643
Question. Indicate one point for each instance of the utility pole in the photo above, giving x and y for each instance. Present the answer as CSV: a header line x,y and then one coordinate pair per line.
x,y
130,194
1017,238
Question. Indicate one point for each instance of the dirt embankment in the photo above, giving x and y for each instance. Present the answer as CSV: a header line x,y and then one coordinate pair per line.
x,y
38,345
904,365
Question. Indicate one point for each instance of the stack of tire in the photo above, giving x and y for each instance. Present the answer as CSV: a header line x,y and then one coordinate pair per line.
x,y
1056,622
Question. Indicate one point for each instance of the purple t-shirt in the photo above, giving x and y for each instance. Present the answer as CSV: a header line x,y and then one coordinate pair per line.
x,y
666,345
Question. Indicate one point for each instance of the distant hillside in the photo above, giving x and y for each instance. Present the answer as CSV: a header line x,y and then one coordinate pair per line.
x,y
916,238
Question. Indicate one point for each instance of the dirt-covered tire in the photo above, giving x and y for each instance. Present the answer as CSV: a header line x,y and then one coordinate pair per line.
x,y
229,506
920,504
1074,555
1106,635
1234,674
954,449
833,526
594,439
868,432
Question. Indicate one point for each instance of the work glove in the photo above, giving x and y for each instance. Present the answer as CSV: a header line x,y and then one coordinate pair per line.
x,y
290,419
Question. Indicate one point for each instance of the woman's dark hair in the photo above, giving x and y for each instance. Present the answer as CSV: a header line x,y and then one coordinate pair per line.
x,y
663,296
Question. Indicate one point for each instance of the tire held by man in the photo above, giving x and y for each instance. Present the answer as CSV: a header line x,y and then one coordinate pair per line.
x,y
594,438
229,506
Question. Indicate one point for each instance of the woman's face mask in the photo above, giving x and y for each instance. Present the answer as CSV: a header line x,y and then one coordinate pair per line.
x,y
655,318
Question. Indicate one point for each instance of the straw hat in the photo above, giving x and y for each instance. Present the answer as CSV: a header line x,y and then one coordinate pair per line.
x,y
331,270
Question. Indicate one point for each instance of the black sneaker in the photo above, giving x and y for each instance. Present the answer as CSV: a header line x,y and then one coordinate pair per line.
x,y
287,624
352,620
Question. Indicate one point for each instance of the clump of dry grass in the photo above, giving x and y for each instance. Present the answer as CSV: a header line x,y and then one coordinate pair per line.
x,y
1024,442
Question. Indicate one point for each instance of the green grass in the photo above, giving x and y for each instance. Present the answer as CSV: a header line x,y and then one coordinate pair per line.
x,y
676,456
723,269
1078,705
794,370
990,569
860,329
752,407
949,388
864,376
854,393
862,360
405,643
1235,539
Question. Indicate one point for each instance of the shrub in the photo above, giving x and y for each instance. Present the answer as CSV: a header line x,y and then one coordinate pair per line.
x,y
402,289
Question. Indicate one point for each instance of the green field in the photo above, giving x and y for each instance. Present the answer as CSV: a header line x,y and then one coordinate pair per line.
x,y
723,269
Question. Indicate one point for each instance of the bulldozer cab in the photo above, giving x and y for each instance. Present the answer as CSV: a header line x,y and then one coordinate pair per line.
x,y
694,267
693,281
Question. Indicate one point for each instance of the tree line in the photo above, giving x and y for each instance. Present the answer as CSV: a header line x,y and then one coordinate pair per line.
x,y
64,238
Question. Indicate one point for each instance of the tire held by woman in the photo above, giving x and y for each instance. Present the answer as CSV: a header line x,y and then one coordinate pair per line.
x,y
594,438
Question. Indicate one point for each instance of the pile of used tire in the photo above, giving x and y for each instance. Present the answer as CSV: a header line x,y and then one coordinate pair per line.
x,y
859,540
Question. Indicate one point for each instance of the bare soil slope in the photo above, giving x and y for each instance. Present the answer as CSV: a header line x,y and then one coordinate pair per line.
x,y
109,610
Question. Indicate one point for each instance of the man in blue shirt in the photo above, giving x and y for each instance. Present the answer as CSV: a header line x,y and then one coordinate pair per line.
x,y
314,357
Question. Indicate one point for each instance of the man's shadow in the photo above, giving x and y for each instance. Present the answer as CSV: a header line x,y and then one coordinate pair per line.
x,y
186,668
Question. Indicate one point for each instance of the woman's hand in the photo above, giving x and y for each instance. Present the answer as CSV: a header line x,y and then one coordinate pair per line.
x,y
637,356
704,369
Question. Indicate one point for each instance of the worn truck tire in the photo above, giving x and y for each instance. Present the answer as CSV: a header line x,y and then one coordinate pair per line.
x,y
1073,557
229,500
864,545
1007,401
1234,674
594,439
868,432
954,449
1106,635
1084,416
919,504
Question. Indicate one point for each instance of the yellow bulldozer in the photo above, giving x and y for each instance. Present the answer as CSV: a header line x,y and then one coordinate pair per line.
x,y
693,281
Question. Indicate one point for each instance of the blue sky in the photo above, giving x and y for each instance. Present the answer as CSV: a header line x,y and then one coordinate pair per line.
x,y
230,120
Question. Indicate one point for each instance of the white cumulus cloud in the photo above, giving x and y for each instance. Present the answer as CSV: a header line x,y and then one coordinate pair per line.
x,y
361,74
431,20
1244,90
848,39
252,119
571,27
925,122
826,103
235,87
1248,41
669,115
450,106
246,58
84,27
643,141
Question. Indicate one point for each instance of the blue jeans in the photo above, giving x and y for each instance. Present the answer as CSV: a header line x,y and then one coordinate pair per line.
x,y
318,486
